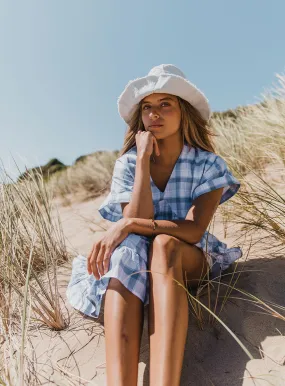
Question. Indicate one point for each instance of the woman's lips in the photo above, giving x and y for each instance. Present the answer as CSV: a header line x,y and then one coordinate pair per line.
x,y
154,126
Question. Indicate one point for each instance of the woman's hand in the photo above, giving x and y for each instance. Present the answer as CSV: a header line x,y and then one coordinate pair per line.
x,y
146,143
99,257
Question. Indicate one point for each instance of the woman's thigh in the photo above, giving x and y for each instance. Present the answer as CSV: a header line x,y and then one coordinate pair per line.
x,y
190,258
194,264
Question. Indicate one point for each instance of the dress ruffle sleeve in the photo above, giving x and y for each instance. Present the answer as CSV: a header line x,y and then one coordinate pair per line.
x,y
217,175
121,191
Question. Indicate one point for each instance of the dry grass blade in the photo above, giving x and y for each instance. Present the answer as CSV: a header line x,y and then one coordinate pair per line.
x,y
194,299
255,300
263,209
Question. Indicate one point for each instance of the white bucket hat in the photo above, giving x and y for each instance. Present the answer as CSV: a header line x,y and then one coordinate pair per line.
x,y
165,78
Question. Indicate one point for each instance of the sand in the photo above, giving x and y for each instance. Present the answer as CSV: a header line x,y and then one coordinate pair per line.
x,y
212,357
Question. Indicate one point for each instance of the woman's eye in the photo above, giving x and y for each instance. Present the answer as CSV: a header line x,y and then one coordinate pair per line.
x,y
164,104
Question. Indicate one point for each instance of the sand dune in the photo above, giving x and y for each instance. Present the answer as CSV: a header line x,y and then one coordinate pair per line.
x,y
212,357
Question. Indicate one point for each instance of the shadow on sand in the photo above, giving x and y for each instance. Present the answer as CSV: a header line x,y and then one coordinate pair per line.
x,y
212,356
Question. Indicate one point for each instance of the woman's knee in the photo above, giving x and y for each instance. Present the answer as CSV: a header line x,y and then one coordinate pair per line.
x,y
116,285
165,252
120,304
166,241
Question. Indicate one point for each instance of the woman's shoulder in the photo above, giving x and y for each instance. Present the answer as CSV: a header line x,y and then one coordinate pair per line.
x,y
126,163
202,160
199,156
129,156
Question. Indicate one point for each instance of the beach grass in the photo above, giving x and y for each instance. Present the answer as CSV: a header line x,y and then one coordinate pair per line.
x,y
32,247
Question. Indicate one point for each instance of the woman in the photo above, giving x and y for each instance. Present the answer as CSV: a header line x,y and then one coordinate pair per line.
x,y
166,186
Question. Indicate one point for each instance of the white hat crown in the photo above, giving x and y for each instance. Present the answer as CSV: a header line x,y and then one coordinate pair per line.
x,y
166,69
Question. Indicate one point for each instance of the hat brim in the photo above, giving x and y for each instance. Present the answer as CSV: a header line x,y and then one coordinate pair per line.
x,y
139,88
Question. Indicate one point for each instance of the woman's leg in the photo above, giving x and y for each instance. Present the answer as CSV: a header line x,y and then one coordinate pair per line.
x,y
168,308
123,321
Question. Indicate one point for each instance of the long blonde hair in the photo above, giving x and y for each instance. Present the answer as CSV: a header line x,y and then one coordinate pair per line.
x,y
194,129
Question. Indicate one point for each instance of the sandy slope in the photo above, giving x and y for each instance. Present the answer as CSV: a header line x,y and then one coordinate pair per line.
x,y
212,357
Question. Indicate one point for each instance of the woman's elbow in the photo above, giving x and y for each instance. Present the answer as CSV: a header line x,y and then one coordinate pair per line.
x,y
197,235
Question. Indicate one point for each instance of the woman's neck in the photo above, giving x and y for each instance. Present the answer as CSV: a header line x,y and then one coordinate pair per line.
x,y
169,152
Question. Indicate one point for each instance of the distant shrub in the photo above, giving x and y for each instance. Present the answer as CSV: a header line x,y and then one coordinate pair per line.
x,y
84,157
52,167
89,176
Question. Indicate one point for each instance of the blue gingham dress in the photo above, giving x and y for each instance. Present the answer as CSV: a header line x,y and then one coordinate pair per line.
x,y
196,172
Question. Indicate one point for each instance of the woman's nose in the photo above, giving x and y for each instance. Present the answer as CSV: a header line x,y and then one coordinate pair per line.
x,y
153,115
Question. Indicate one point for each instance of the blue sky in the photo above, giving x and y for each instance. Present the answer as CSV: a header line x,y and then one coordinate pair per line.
x,y
64,63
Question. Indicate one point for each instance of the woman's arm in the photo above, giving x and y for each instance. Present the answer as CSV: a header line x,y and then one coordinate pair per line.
x,y
189,230
141,204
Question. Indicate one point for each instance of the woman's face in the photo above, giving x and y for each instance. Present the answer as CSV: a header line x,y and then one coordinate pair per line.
x,y
161,114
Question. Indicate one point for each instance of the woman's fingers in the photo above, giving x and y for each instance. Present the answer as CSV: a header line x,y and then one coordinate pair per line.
x,y
89,268
93,261
100,258
90,260
106,261
144,142
157,152
98,261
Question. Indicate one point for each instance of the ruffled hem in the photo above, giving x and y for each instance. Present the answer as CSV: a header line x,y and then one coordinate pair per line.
x,y
219,255
222,262
85,293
